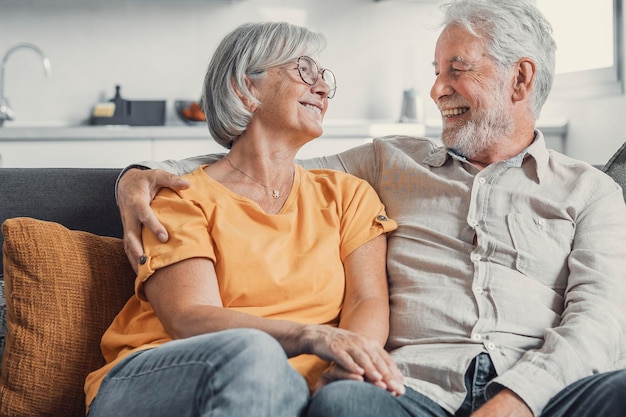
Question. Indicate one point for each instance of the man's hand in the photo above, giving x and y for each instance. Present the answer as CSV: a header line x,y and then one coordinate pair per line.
x,y
504,404
135,191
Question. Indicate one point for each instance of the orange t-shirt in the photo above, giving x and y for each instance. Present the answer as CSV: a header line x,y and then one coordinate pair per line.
x,y
287,265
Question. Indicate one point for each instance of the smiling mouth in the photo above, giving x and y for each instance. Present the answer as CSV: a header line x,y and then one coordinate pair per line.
x,y
314,108
454,112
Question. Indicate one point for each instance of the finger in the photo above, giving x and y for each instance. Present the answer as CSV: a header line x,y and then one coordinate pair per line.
x,y
161,179
381,370
392,377
337,373
133,249
150,221
364,357
346,361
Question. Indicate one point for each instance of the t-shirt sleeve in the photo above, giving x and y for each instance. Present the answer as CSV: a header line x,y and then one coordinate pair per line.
x,y
363,217
187,225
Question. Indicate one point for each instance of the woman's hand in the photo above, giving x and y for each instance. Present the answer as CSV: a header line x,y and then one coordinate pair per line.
x,y
355,357
357,351
135,191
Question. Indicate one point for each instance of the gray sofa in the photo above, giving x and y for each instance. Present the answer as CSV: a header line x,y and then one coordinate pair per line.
x,y
78,198
72,200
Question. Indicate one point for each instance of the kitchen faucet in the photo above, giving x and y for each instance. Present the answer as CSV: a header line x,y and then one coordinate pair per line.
x,y
6,113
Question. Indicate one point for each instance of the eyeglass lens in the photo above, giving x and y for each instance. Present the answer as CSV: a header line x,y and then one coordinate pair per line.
x,y
309,73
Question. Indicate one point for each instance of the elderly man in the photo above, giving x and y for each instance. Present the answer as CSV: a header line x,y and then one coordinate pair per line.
x,y
507,270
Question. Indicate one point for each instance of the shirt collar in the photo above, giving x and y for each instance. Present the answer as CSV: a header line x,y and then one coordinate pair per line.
x,y
536,150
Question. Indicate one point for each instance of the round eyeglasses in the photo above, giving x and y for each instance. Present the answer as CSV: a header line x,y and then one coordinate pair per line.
x,y
309,72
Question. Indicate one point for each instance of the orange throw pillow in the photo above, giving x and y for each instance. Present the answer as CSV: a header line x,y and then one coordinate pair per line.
x,y
63,289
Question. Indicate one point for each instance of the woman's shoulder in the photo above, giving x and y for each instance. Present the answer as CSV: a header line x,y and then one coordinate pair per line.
x,y
199,183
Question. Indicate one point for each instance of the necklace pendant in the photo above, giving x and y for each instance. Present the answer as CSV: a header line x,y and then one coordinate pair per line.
x,y
276,194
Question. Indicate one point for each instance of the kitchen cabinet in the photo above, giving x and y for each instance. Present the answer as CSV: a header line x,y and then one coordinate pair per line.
x,y
119,146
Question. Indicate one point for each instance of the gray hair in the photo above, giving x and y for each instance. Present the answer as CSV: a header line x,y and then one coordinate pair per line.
x,y
514,29
249,50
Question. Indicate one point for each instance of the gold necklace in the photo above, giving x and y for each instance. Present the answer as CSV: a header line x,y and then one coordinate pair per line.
x,y
275,193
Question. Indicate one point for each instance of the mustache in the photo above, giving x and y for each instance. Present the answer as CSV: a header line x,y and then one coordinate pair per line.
x,y
451,102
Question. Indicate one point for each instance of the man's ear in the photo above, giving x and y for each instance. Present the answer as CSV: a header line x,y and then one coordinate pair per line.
x,y
247,102
524,79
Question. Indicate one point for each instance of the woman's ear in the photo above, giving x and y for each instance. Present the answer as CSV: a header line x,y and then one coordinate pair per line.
x,y
524,79
247,102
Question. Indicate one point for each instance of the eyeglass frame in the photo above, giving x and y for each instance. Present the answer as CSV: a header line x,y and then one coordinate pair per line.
x,y
319,71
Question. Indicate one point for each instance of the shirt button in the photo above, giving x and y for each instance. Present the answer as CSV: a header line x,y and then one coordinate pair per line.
x,y
479,290
476,336
381,218
473,223
491,346
142,259
482,180
476,257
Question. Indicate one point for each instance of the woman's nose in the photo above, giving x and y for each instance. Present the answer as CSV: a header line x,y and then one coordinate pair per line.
x,y
321,87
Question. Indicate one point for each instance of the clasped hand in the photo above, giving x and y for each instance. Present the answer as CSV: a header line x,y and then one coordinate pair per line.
x,y
355,357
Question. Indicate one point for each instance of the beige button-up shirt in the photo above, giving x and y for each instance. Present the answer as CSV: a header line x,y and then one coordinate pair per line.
x,y
524,260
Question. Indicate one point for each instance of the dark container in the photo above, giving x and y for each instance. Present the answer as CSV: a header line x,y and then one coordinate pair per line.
x,y
133,112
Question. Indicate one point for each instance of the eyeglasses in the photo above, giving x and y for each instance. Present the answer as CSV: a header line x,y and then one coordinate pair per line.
x,y
309,72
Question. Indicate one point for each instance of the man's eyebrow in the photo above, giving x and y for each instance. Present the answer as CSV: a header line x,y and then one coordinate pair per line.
x,y
461,60
456,58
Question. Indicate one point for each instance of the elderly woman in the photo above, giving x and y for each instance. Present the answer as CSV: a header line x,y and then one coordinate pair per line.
x,y
273,280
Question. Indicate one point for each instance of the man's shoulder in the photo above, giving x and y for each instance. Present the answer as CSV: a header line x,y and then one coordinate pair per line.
x,y
580,173
576,166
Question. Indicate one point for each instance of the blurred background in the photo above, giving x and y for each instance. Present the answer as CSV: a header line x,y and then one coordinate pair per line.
x,y
159,50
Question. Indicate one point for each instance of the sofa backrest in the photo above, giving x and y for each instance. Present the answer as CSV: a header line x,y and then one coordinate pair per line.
x,y
616,167
78,198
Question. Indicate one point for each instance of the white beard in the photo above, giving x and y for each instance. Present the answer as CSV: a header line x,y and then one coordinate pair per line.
x,y
481,132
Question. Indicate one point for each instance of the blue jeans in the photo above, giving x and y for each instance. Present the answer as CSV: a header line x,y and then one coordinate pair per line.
x,y
239,372
600,395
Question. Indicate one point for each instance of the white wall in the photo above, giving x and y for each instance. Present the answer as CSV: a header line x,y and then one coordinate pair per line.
x,y
158,49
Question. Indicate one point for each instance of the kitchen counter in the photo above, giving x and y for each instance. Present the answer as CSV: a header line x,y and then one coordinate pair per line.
x,y
119,146
332,129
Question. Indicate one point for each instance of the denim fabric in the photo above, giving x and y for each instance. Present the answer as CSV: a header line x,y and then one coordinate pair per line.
x,y
360,399
480,372
600,395
238,372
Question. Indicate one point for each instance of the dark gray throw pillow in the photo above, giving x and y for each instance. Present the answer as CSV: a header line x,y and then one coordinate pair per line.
x,y
616,168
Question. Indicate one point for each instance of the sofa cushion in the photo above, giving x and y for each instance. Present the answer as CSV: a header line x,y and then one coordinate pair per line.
x,y
63,289
616,167
3,316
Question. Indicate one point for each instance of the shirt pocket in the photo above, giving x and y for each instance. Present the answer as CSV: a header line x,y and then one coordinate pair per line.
x,y
542,247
